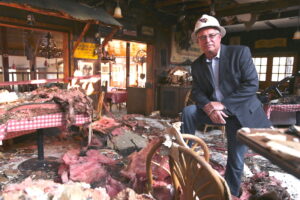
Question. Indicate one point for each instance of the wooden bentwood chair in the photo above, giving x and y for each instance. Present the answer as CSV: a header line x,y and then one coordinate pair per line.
x,y
192,176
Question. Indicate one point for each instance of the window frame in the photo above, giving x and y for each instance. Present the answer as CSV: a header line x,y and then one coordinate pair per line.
x,y
264,84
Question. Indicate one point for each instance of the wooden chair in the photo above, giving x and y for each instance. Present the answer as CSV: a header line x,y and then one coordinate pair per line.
x,y
192,176
188,100
221,127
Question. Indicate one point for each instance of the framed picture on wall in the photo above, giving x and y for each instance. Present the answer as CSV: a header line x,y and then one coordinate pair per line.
x,y
86,67
147,30
179,55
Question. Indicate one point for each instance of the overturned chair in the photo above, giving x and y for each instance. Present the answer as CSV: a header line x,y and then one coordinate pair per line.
x,y
192,176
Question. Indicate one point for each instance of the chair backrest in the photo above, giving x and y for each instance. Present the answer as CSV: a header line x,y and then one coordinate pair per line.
x,y
194,178
188,98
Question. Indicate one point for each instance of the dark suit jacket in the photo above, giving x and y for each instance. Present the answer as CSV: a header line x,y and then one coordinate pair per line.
x,y
238,83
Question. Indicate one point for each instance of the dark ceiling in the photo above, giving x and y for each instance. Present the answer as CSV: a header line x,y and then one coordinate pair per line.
x,y
236,15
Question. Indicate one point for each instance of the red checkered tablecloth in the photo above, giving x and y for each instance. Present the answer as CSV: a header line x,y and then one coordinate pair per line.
x,y
21,127
281,108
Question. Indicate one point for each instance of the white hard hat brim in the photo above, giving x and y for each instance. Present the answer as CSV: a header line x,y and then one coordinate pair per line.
x,y
220,28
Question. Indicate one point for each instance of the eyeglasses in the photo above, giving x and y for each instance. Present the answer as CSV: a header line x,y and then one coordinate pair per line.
x,y
210,36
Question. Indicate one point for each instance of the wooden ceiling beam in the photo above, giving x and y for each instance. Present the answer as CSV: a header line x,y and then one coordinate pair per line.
x,y
84,31
256,7
166,3
187,7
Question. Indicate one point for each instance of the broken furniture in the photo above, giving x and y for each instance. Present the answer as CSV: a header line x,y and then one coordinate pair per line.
x,y
274,144
192,176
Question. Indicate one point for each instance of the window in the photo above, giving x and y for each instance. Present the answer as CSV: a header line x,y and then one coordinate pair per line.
x,y
261,67
272,69
30,54
282,67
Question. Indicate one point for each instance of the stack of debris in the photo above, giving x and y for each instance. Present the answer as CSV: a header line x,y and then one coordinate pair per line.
x,y
114,165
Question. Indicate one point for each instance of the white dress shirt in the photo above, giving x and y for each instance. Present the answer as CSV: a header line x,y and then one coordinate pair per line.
x,y
214,64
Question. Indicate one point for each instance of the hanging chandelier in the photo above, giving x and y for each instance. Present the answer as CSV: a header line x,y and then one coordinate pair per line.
x,y
48,48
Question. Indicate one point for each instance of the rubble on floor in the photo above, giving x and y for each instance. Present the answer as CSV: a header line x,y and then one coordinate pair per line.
x,y
113,165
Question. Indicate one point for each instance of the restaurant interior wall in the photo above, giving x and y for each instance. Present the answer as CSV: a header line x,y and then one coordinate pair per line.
x,y
72,29
159,37
287,47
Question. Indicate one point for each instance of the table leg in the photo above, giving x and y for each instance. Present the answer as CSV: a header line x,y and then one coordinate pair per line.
x,y
40,163
40,144
298,118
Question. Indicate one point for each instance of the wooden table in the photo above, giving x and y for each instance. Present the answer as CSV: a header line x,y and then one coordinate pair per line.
x,y
116,97
261,140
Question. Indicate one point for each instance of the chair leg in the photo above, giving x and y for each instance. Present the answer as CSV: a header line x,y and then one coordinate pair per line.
x,y
223,129
205,128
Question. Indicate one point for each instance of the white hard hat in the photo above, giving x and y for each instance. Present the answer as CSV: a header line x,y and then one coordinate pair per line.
x,y
206,21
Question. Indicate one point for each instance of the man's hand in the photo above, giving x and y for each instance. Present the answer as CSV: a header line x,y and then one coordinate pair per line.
x,y
217,117
215,112
213,105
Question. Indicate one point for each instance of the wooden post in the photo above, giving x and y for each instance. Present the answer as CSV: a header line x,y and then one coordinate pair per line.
x,y
127,63
84,31
109,36
66,57
150,80
5,54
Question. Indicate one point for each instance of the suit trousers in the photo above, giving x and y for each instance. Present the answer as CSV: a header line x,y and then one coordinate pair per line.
x,y
192,117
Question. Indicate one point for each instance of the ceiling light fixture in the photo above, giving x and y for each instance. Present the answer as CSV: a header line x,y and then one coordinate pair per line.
x,y
118,11
297,33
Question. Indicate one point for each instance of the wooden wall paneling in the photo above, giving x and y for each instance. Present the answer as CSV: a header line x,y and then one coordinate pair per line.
x,y
4,54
